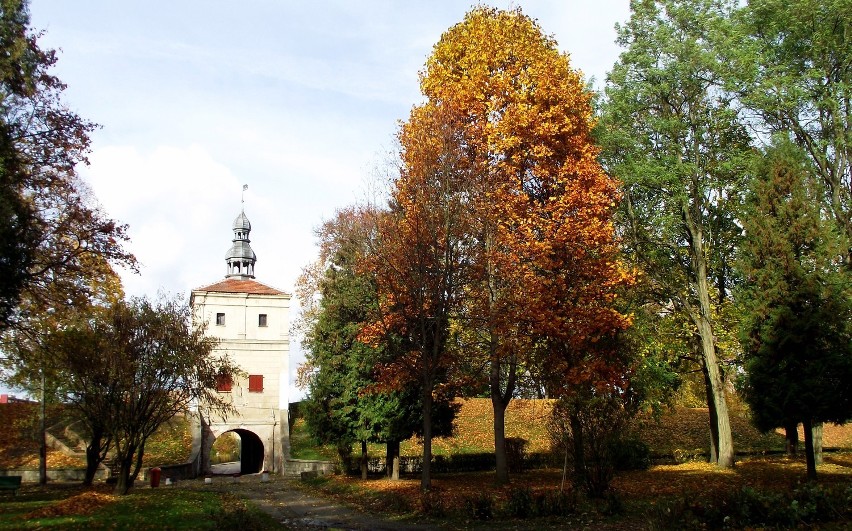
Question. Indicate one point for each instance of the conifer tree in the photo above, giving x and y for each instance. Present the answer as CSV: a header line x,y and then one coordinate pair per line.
x,y
797,325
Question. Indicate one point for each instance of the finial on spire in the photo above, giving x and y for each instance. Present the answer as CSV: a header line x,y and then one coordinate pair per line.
x,y
243,197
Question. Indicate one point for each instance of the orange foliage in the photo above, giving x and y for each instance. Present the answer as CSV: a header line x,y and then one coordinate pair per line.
x,y
541,205
79,505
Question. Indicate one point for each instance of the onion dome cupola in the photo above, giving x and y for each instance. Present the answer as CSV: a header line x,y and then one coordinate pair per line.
x,y
240,257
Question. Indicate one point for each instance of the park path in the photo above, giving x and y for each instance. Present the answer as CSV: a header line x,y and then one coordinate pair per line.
x,y
296,509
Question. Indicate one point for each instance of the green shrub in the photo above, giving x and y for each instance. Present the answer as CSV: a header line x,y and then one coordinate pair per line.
x,y
804,506
631,453
520,503
555,503
480,506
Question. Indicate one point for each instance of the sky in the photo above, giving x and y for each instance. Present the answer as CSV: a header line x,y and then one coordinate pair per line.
x,y
298,100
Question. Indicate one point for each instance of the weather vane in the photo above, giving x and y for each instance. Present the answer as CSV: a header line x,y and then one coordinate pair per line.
x,y
243,197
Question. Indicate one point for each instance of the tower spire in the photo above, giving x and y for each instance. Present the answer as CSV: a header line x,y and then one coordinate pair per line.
x,y
240,257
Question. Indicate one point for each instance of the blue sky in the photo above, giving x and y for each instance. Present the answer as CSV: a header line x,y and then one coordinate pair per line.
x,y
299,100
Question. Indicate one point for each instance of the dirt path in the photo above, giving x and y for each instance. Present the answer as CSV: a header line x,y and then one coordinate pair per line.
x,y
295,509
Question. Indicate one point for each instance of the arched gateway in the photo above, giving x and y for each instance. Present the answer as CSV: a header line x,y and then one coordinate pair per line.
x,y
251,320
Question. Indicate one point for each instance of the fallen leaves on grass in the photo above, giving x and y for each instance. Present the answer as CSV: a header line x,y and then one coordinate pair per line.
x,y
453,490
698,478
79,505
473,428
170,444
692,479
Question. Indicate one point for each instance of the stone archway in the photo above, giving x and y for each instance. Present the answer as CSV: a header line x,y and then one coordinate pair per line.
x,y
251,453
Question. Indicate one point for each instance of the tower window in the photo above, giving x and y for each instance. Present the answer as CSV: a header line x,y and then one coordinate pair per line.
x,y
255,383
224,383
261,320
220,319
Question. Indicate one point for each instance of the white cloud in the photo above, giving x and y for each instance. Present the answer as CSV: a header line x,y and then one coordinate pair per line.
x,y
176,201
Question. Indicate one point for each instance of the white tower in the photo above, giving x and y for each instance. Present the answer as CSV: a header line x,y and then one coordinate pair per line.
x,y
251,321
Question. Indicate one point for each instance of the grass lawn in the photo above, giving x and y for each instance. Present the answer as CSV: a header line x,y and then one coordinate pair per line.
x,y
65,506
303,447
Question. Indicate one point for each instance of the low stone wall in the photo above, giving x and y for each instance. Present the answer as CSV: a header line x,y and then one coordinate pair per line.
x,y
61,474
183,471
295,467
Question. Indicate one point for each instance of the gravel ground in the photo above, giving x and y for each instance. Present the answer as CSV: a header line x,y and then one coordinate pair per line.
x,y
287,503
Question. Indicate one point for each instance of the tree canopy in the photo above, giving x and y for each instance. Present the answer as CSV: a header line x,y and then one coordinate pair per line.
x,y
797,325
135,365
50,231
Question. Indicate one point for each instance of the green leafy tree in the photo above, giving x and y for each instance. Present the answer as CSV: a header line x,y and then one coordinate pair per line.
x,y
674,139
791,70
55,245
345,404
35,363
134,366
50,228
797,329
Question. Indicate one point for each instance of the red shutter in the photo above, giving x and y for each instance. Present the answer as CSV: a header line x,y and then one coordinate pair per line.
x,y
223,384
256,383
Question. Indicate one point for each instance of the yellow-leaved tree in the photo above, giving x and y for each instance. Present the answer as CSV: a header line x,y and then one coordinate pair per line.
x,y
538,267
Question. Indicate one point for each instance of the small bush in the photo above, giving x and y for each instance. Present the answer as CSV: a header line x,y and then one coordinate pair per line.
x,y
520,503
613,505
524,503
555,503
515,453
432,504
631,453
749,507
481,506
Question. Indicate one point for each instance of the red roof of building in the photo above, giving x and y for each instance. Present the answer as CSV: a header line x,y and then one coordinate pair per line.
x,y
232,285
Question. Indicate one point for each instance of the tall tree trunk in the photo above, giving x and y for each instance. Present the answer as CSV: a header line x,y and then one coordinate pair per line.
x,y
717,396
392,460
502,465
95,453
809,450
123,483
138,464
364,459
579,450
816,431
701,317
714,418
42,431
499,402
791,439
499,399
207,440
426,478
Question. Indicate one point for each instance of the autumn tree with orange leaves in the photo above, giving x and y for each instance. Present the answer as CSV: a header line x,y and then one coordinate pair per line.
x,y
543,257
499,236
421,259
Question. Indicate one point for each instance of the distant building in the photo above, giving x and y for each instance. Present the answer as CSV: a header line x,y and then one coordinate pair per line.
x,y
251,321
